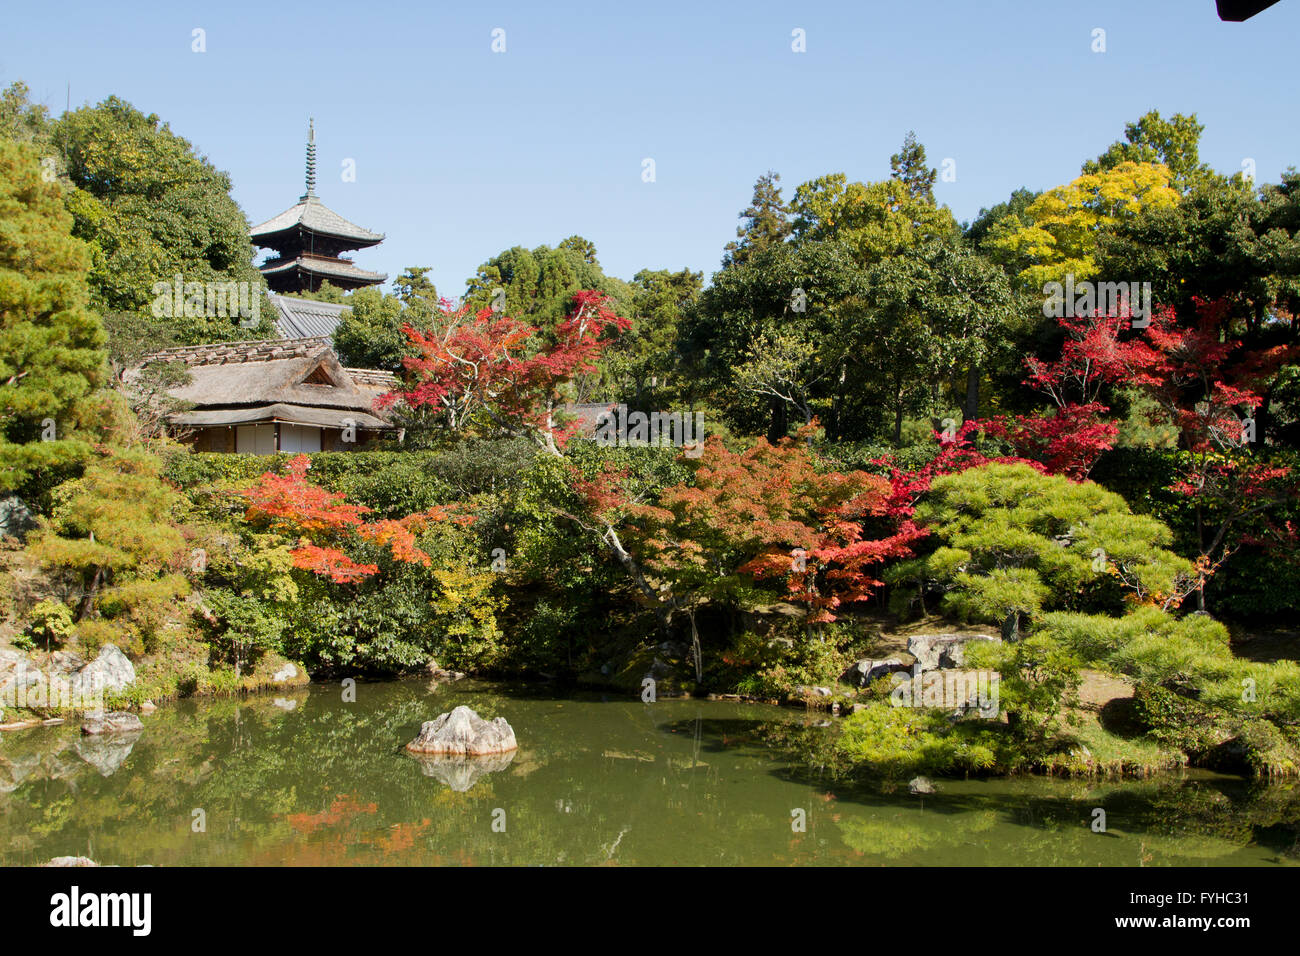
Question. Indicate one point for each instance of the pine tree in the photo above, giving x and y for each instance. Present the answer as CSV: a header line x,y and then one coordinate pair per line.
x,y
766,221
909,167
51,347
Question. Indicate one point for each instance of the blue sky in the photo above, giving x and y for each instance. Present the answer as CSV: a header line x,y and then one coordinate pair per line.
x,y
461,152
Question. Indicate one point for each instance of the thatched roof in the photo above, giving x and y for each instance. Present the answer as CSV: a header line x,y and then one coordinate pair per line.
x,y
287,380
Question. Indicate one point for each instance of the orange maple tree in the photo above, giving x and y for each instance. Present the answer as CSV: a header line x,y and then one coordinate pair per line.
x,y
325,523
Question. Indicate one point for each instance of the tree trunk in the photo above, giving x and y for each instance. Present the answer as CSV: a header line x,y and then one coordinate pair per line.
x,y
695,646
971,411
89,597
780,423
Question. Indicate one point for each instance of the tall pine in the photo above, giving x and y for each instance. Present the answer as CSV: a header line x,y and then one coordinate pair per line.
x,y
765,221
51,346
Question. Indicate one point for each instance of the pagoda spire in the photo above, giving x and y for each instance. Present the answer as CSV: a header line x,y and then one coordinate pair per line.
x,y
308,240
311,161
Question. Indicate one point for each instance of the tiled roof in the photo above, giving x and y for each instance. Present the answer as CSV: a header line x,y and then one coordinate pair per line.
x,y
314,216
253,350
326,268
304,318
371,376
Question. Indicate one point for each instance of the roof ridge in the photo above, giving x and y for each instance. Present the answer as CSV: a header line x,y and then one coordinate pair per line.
x,y
247,350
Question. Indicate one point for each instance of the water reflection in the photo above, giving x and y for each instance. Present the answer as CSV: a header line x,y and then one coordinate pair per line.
x,y
594,782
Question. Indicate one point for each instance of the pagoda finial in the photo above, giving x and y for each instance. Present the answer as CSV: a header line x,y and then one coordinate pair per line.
x,y
311,159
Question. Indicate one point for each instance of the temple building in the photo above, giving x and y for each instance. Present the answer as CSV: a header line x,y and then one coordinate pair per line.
x,y
308,240
276,395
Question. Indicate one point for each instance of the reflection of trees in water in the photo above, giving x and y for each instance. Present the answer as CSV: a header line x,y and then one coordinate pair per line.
x,y
1172,818
625,782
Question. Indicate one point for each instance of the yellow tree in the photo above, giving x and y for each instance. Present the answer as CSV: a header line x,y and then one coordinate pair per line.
x,y
1064,222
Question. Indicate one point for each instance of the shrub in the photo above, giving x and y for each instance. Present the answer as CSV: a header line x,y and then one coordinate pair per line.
x,y
51,623
1011,542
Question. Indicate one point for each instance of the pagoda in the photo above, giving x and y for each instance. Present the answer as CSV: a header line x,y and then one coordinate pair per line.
x,y
308,239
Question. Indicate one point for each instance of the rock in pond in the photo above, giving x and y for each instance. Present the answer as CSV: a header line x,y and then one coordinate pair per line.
x,y
71,861
464,733
920,785
119,721
285,674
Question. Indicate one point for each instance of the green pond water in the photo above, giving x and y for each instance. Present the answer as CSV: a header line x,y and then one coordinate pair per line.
x,y
307,779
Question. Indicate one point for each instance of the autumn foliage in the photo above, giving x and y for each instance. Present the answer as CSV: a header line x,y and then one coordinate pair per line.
x,y
763,514
494,366
325,524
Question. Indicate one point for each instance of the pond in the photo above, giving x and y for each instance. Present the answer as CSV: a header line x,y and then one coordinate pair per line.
x,y
310,779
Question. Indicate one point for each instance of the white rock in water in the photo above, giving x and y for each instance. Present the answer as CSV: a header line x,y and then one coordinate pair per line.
x,y
464,732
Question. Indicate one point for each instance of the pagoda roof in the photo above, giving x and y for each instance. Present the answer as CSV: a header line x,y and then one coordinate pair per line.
x,y
312,215
324,267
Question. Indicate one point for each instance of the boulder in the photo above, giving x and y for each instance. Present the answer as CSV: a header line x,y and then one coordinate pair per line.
x,y
10,659
110,672
805,691
463,732
461,773
920,785
117,722
16,519
71,861
65,662
864,671
437,673
933,651
285,674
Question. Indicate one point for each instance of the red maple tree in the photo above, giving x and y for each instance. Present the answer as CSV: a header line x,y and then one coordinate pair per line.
x,y
491,365
767,513
1206,384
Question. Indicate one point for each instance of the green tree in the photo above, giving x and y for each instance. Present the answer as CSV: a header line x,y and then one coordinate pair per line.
x,y
51,345
909,167
114,531
537,285
766,220
152,209
784,290
642,364
369,334
1175,142
934,317
877,220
